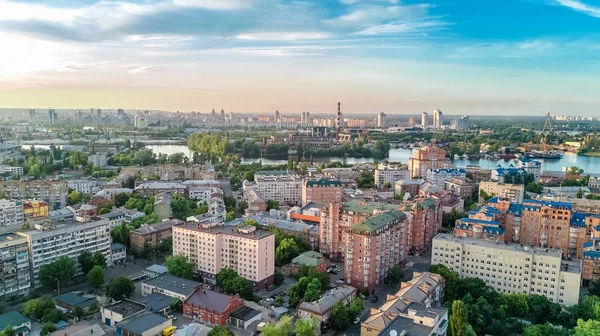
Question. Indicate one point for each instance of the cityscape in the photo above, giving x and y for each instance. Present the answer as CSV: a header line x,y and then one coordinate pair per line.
x,y
281,168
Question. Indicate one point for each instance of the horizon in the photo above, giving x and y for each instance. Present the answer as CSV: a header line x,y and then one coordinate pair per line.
x,y
398,57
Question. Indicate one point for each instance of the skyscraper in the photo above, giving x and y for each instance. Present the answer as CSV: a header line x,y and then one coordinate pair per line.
x,y
51,116
381,120
99,113
32,114
79,115
338,118
120,112
223,114
231,116
276,116
213,113
438,119
424,121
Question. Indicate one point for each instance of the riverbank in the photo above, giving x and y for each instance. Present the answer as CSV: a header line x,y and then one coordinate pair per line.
x,y
591,154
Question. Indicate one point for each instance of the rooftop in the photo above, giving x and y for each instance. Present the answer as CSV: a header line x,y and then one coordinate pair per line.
x,y
138,324
277,223
126,307
324,182
160,185
156,302
309,258
244,313
76,299
328,300
173,284
11,237
81,329
358,206
228,230
117,246
379,221
12,318
209,300
152,228
160,269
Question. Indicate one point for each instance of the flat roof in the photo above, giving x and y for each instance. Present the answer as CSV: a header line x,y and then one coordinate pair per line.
x,y
229,230
244,313
138,324
126,307
359,206
497,245
173,284
10,237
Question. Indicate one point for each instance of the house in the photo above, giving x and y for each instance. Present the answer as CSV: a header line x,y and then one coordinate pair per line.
x,y
321,309
73,300
118,253
243,317
152,234
84,328
144,324
120,311
155,270
170,285
211,307
115,218
308,258
14,319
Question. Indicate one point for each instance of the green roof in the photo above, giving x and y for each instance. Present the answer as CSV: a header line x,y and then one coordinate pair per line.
x,y
358,206
379,221
12,318
324,182
309,258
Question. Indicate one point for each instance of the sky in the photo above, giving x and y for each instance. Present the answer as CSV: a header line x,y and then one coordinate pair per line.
x,y
519,57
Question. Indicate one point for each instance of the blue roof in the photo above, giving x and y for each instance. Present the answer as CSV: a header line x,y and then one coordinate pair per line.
x,y
449,170
471,221
551,204
516,209
578,219
493,200
494,230
588,244
591,254
488,208
597,228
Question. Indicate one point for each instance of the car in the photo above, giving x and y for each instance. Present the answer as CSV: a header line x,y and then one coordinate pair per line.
x,y
332,272
374,299
357,320
339,282
173,317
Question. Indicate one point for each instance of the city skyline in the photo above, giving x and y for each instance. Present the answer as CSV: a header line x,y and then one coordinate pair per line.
x,y
497,57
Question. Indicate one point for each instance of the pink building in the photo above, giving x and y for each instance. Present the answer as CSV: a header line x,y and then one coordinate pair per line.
x,y
426,158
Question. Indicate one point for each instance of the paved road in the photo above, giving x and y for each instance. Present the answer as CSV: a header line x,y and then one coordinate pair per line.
x,y
226,187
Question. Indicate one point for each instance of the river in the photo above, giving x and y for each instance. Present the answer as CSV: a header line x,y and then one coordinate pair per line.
x,y
588,163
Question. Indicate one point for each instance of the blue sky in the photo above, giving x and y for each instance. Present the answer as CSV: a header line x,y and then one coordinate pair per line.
x,y
462,56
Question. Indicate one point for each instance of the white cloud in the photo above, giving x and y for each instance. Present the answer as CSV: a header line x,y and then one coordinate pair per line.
x,y
399,28
580,7
284,36
215,4
138,70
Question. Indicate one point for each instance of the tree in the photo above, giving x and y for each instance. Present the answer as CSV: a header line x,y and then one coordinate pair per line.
x,y
47,328
396,274
279,301
587,328
574,170
179,265
579,193
458,319
534,187
103,211
545,330
95,277
230,282
278,277
272,204
340,317
243,205
313,291
516,305
121,199
229,216
286,251
387,185
60,271
119,288
88,260
220,330
306,327
9,331
35,308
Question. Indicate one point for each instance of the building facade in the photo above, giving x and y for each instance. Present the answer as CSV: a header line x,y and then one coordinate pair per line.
x,y
278,186
504,191
248,251
15,278
390,175
11,213
425,158
439,176
321,191
152,234
211,307
52,192
511,268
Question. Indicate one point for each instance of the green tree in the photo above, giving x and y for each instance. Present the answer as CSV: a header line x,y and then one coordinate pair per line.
x,y
313,291
272,204
35,308
103,211
534,187
9,331
286,251
340,317
516,305
545,330
458,319
58,272
87,260
574,170
179,265
279,301
121,199
229,216
396,274
119,288
387,185
48,327
279,277
243,205
95,277
220,330
230,282
587,328
306,327
579,193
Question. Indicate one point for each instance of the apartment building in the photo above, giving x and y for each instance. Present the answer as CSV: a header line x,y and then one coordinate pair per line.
x,y
511,268
460,187
424,222
15,280
152,234
49,242
190,172
155,188
414,310
425,158
439,176
511,173
204,194
34,210
11,213
276,185
504,191
248,251
100,160
337,218
410,187
483,223
390,175
323,190
52,192
12,170
82,186
321,309
373,247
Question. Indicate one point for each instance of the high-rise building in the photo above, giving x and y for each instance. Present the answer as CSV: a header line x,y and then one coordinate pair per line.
x,y
424,222
338,118
511,268
390,175
276,185
31,114
53,192
438,119
425,158
79,115
424,119
321,191
99,113
230,116
412,121
248,251
15,278
381,120
139,121
223,114
52,116
11,213
213,113
120,112
276,116
464,122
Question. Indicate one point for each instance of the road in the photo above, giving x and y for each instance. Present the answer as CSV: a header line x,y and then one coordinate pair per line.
x,y
226,187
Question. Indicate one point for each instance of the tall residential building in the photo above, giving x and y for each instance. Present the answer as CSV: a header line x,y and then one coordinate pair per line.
x,y
15,276
412,121
425,158
504,191
424,222
31,114
373,247
276,116
464,122
438,119
424,119
11,213
140,121
222,114
52,116
414,310
276,185
390,175
53,192
439,176
532,167
321,191
230,116
381,120
305,118
246,250
511,268
120,112
48,242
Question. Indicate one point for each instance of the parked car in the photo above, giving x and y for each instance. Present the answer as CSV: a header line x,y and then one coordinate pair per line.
x,y
357,320
374,299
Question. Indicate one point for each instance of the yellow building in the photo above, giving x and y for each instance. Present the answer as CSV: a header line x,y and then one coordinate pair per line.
x,y
35,209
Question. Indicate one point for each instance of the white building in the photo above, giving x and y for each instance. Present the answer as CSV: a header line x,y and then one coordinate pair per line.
x,y
12,170
511,268
50,242
390,175
15,278
381,120
531,167
98,159
82,186
204,194
278,186
506,191
11,213
439,176
438,119
566,191
424,120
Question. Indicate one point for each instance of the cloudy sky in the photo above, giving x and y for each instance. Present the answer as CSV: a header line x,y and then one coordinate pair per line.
x,y
462,56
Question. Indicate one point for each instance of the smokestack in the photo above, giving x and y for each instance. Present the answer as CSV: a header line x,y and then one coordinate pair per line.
x,y
339,108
